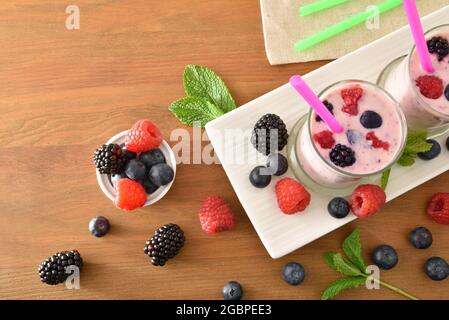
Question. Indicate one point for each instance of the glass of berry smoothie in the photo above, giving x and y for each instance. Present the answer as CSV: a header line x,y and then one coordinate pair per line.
x,y
373,138
423,96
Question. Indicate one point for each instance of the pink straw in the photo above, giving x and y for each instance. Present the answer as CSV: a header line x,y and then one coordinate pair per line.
x,y
315,103
418,34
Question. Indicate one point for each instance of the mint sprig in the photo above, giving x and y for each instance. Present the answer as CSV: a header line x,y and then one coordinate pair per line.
x,y
207,97
353,267
416,143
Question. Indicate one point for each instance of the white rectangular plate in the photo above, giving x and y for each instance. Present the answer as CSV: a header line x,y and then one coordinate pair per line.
x,y
282,234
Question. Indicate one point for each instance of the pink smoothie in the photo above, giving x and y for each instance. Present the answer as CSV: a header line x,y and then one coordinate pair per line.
x,y
370,158
422,112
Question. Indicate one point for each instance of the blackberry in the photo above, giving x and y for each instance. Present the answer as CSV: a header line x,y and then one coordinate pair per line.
x,y
52,269
329,107
165,244
109,159
342,156
267,131
440,46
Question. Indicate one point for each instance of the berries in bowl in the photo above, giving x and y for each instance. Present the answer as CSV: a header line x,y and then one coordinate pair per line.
x,y
135,168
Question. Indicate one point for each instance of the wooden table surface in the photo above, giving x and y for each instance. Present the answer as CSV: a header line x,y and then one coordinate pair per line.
x,y
63,93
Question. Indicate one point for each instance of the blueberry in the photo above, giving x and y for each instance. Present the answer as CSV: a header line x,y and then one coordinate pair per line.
x,y
99,226
432,153
232,291
447,143
353,136
260,177
338,208
385,257
116,177
152,157
129,155
329,107
149,186
293,273
135,170
371,120
421,238
277,164
446,92
161,174
437,268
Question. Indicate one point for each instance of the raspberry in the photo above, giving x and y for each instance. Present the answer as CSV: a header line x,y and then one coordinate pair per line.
x,y
430,86
215,215
366,200
351,97
292,197
130,194
143,136
438,208
325,139
376,142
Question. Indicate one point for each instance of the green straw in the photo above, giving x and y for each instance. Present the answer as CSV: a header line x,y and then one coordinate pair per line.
x,y
343,26
320,5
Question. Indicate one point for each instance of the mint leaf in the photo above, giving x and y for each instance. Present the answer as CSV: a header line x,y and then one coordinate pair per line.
x,y
340,285
204,83
353,250
407,160
384,179
345,267
190,109
329,259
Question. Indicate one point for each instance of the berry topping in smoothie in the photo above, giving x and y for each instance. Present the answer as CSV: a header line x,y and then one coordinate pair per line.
x,y
351,97
440,46
430,86
376,142
329,107
342,156
354,136
371,120
325,139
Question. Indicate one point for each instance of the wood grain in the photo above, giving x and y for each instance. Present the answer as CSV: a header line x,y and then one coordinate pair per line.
x,y
65,92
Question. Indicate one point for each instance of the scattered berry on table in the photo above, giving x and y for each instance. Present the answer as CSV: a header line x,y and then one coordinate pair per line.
x,y
342,156
325,139
143,136
232,291
430,86
116,177
437,268
351,97
421,238
164,244
329,107
277,164
109,159
269,134
52,269
136,170
215,215
438,45
99,226
353,136
152,157
149,186
438,208
376,142
371,120
432,153
161,174
367,200
446,92
338,208
385,257
260,177
293,273
130,194
291,196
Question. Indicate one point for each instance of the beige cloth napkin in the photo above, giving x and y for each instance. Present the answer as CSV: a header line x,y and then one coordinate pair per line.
x,y
283,27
